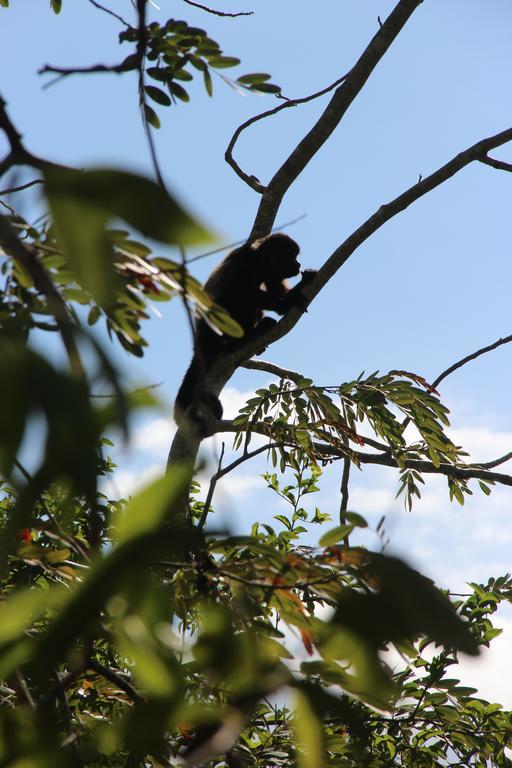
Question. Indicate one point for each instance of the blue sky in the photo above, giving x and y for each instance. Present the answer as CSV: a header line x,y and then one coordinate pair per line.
x,y
430,287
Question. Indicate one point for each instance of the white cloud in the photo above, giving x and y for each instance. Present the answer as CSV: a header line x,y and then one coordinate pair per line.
x,y
125,483
232,400
482,443
154,435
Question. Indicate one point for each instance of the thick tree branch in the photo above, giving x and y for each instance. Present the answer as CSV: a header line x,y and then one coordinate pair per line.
x,y
468,472
332,115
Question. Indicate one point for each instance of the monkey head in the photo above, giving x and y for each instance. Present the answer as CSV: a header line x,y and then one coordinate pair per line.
x,y
277,255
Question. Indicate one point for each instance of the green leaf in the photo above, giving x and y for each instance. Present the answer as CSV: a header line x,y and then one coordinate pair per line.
x,y
178,91
151,116
4,3
252,79
358,521
266,88
80,228
106,193
335,535
150,507
406,604
308,733
55,5
142,536
158,95
208,82
223,62
224,322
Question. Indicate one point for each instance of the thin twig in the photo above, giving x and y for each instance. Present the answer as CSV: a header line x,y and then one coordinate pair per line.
x,y
10,190
230,246
211,490
63,72
460,363
111,13
129,394
221,472
468,358
251,180
217,13
495,462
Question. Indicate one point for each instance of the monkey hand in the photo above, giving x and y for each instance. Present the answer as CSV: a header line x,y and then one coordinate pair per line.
x,y
308,275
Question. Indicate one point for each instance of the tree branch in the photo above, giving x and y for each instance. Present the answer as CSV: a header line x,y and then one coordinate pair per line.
x,y
332,115
469,472
217,13
500,165
251,180
468,358
115,678
460,363
276,370
93,69
10,190
111,13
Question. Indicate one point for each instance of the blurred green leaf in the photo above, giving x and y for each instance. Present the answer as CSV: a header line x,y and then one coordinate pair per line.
x,y
308,732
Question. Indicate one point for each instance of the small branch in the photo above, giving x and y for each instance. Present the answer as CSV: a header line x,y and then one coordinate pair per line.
x,y
500,165
221,472
115,678
496,462
94,69
10,190
473,356
344,493
468,358
211,490
251,180
111,13
217,13
276,370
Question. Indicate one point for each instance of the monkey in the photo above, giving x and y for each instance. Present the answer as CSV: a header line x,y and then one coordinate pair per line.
x,y
251,279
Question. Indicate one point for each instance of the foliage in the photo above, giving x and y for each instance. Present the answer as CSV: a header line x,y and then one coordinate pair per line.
x,y
254,650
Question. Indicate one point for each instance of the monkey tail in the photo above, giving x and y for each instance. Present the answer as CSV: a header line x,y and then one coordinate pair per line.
x,y
189,392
